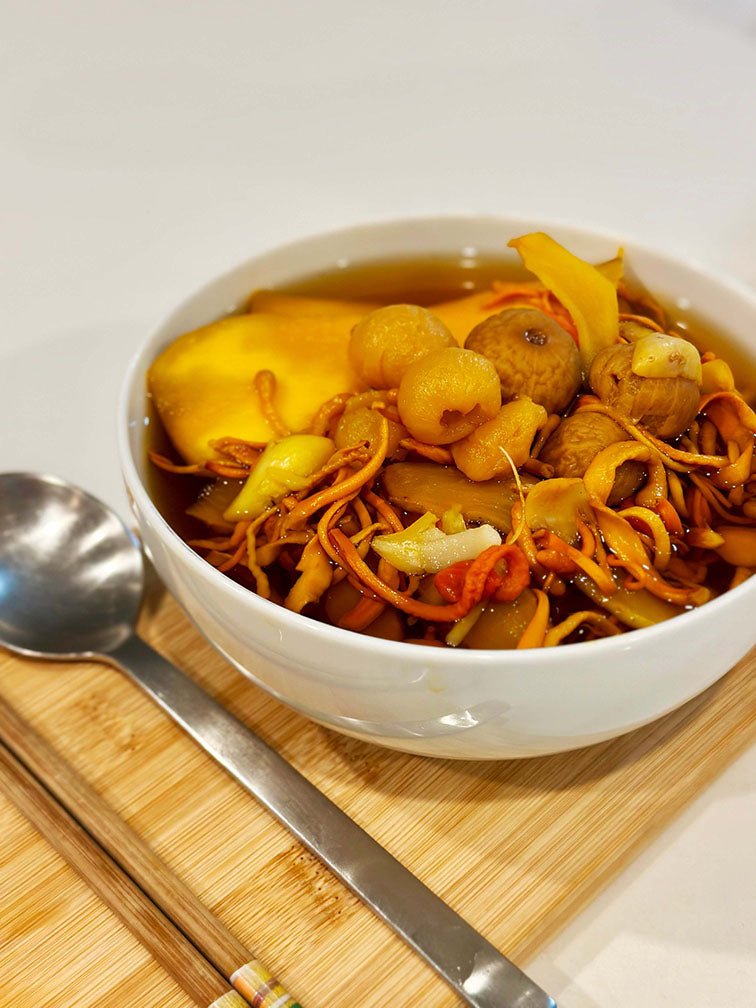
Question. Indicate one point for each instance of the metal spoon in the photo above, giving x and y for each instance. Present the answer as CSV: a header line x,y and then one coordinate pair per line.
x,y
71,581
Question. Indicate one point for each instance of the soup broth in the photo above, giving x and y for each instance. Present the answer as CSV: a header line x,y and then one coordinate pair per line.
x,y
431,281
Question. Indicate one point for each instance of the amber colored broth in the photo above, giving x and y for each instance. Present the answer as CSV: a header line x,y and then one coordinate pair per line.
x,y
427,281
420,280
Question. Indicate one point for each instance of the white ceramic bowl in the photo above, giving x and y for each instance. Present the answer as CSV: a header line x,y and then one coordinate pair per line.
x,y
466,704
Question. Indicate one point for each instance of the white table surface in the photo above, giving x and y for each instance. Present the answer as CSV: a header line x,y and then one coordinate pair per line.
x,y
146,147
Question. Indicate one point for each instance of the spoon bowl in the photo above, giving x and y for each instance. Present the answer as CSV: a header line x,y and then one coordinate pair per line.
x,y
70,571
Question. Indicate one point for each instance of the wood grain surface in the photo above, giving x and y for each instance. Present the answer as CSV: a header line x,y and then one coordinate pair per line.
x,y
516,847
196,976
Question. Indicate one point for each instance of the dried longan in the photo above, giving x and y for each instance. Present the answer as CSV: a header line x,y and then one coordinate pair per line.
x,y
445,395
362,424
386,341
480,457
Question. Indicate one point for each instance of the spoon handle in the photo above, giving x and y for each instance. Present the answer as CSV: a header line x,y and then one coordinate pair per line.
x,y
479,973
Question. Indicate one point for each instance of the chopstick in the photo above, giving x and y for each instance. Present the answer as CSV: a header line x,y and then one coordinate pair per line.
x,y
201,981
165,915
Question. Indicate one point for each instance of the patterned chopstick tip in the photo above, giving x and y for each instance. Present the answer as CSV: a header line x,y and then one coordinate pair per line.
x,y
260,987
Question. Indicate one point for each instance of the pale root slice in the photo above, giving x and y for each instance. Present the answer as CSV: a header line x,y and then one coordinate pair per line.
x,y
418,487
424,549
203,383
660,355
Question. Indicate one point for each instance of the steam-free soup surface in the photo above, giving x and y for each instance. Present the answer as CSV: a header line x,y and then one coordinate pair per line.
x,y
562,543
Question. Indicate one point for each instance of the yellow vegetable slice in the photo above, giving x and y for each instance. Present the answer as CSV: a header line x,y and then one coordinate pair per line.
x,y
203,383
589,297
461,315
316,576
739,547
273,302
613,269
558,505
281,469
716,376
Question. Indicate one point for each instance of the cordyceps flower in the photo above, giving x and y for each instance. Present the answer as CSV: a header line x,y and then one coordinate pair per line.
x,y
601,474
735,422
534,464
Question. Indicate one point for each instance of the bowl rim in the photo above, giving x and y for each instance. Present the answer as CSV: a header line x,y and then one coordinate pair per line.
x,y
338,636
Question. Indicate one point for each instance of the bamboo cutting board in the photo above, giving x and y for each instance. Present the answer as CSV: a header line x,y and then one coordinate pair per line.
x,y
516,847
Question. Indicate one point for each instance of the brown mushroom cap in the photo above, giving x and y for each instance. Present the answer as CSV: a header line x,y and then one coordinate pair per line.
x,y
532,354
